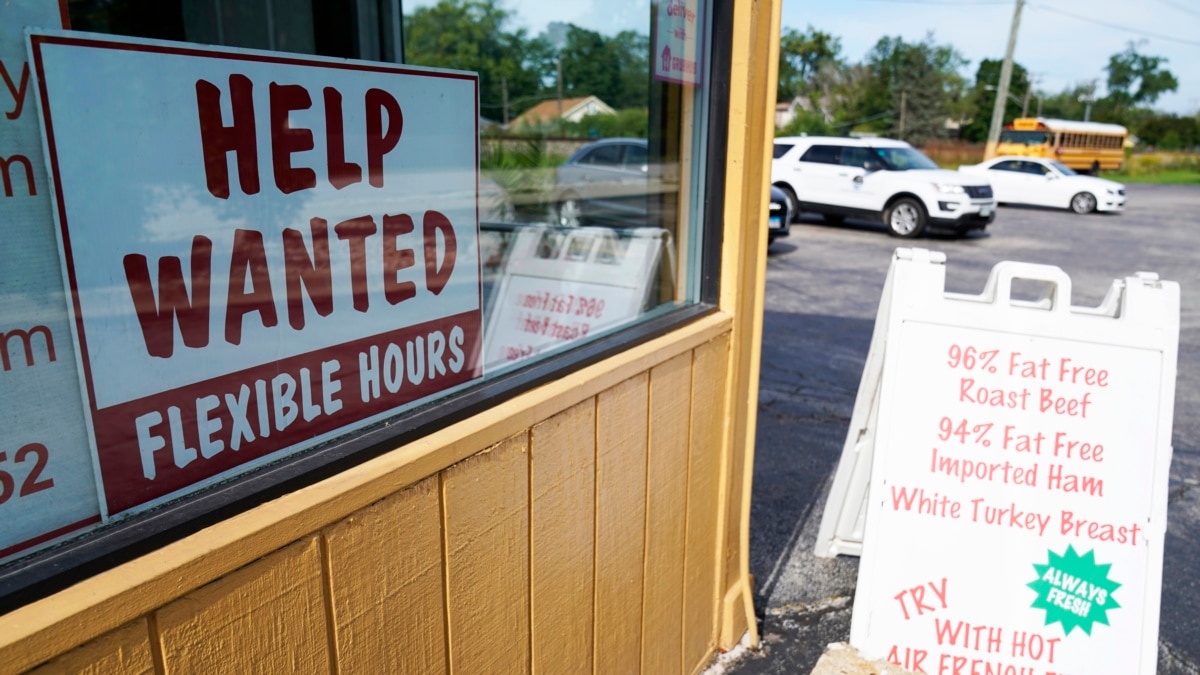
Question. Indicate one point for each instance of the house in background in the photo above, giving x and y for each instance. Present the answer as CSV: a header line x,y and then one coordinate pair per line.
x,y
785,112
546,113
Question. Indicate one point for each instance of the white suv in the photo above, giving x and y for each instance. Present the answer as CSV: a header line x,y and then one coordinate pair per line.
x,y
879,178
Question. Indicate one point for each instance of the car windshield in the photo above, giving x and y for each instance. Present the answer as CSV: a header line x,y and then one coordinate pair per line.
x,y
1063,168
1023,137
903,159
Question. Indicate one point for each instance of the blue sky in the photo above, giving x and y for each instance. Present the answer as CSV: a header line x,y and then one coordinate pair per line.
x,y
1062,42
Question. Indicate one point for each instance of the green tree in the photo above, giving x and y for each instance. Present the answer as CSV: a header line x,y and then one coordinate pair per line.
x,y
1170,132
808,122
471,35
983,98
803,59
1137,79
617,69
1068,104
634,122
633,60
910,89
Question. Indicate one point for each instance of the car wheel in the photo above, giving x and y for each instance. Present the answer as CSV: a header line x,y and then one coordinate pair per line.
x,y
569,212
1084,202
793,203
905,218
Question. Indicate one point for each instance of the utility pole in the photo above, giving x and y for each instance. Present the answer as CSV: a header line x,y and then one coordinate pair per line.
x,y
903,105
1002,88
1036,79
504,93
1087,100
560,88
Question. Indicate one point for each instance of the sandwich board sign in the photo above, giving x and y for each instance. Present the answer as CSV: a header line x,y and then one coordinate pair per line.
x,y
561,285
1018,454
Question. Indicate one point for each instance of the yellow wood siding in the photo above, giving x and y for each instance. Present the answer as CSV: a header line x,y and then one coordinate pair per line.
x,y
666,493
125,651
396,623
268,617
562,540
589,542
485,501
704,491
621,437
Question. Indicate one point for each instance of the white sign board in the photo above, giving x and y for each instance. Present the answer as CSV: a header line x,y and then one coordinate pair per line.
x,y
47,481
263,250
677,52
560,286
1017,501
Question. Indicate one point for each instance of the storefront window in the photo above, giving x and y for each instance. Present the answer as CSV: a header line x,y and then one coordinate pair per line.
x,y
282,224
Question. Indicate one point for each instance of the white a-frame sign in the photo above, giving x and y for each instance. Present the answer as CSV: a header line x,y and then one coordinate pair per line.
x,y
1018,454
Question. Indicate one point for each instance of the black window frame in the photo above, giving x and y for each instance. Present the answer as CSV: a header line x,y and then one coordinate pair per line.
x,y
43,573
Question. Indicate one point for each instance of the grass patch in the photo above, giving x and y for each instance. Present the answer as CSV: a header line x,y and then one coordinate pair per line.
x,y
1163,177
1169,168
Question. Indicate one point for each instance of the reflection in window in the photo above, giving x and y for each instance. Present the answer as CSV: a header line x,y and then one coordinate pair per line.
x,y
576,137
574,130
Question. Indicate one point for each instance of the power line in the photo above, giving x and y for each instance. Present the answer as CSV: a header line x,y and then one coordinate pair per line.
x,y
1180,7
1115,26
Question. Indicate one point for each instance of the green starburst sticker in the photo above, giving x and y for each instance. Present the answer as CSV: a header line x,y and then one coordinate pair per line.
x,y
1074,590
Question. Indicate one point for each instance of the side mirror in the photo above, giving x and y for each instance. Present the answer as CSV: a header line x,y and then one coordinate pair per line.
x,y
871,165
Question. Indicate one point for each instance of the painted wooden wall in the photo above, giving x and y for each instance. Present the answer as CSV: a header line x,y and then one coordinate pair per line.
x,y
595,524
587,542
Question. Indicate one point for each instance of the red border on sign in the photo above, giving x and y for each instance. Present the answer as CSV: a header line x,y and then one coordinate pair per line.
x,y
172,420
47,536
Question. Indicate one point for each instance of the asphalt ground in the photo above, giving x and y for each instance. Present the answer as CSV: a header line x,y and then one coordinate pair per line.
x,y
822,291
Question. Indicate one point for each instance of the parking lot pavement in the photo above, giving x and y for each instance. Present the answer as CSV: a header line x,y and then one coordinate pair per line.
x,y
823,288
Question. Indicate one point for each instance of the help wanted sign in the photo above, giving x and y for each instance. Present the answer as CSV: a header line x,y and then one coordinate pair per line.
x,y
261,249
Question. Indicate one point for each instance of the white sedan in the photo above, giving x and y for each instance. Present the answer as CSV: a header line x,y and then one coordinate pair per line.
x,y
1046,182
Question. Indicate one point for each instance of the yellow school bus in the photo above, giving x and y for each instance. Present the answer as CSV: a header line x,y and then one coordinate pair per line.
x,y
1083,146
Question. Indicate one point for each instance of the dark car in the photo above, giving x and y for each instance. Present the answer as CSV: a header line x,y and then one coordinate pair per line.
x,y
610,182
779,218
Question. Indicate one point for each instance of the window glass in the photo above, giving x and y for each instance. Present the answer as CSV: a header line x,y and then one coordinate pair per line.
x,y
822,154
304,220
856,157
903,158
604,155
781,149
635,156
1063,168
1023,137
1007,165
